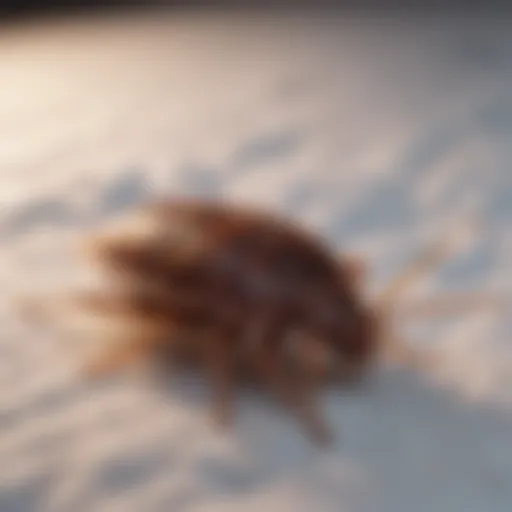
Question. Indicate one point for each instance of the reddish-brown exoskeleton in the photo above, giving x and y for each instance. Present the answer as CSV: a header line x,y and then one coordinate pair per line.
x,y
228,286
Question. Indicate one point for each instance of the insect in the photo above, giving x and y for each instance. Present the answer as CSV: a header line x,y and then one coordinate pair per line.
x,y
231,287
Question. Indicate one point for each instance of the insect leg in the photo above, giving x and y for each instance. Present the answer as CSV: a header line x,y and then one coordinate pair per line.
x,y
220,361
137,347
297,396
455,303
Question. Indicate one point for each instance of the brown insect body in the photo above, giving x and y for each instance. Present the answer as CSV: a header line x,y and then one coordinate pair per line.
x,y
250,265
242,274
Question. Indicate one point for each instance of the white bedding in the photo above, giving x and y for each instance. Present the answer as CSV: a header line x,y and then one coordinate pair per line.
x,y
377,133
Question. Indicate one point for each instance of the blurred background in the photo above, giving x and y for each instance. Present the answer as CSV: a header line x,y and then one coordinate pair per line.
x,y
378,124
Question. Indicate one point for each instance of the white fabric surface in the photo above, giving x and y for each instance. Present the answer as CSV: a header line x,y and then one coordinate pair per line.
x,y
376,132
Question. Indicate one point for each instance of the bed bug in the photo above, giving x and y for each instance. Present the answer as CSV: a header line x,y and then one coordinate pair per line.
x,y
231,287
